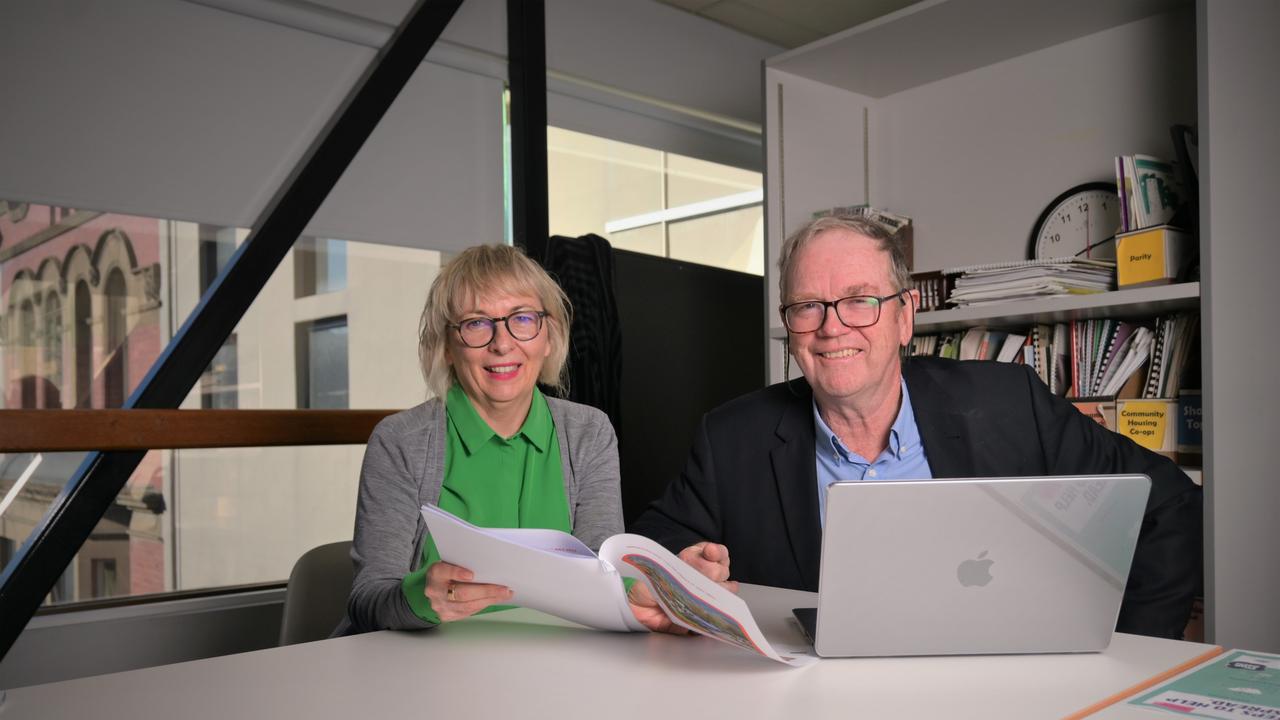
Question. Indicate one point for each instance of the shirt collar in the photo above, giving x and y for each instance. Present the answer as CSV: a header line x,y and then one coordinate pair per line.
x,y
903,434
538,428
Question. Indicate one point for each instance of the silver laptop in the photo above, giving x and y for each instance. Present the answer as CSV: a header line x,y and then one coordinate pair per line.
x,y
975,566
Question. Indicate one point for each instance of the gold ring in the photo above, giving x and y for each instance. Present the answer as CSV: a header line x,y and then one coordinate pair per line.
x,y
450,595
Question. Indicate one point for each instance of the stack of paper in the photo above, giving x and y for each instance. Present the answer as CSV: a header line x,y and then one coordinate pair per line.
x,y
1007,282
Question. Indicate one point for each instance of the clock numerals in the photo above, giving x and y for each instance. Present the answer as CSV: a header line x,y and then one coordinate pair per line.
x,y
1078,223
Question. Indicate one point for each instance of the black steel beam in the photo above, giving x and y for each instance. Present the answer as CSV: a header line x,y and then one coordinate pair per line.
x,y
527,76
77,509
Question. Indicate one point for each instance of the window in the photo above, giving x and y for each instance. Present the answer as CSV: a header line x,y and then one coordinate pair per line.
x,y
322,364
27,349
51,352
115,383
216,246
320,266
655,202
218,387
104,577
82,332
105,293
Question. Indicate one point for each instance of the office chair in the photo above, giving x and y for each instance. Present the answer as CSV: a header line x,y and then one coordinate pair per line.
x,y
316,598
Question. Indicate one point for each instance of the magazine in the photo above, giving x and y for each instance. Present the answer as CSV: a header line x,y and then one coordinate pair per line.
x,y
1239,684
555,573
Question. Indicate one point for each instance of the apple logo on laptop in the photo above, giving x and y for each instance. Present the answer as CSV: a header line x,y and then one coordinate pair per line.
x,y
975,572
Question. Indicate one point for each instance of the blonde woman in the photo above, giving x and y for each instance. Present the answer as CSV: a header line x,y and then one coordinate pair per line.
x,y
489,447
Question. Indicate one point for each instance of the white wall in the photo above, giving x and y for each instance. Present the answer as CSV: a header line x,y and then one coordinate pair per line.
x,y
975,158
1239,146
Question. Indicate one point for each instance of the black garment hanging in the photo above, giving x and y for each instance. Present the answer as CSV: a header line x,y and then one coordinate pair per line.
x,y
584,267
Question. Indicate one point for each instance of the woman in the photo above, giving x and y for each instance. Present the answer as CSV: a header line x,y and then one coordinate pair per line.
x,y
489,448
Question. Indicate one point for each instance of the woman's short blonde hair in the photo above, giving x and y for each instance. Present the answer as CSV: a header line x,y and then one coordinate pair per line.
x,y
485,270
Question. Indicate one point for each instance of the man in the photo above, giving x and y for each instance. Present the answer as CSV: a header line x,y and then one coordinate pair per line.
x,y
755,477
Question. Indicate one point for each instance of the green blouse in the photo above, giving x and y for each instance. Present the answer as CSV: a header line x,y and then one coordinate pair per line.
x,y
492,481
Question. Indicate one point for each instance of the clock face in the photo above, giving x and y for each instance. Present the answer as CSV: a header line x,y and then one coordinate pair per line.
x,y
1081,223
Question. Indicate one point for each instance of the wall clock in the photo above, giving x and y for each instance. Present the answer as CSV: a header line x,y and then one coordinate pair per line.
x,y
1081,222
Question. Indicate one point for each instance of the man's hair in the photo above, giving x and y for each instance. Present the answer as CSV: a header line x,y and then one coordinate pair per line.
x,y
484,270
884,238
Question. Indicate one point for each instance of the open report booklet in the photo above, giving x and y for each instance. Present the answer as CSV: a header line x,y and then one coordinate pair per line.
x,y
555,573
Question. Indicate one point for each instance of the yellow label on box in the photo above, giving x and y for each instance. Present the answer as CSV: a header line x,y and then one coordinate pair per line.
x,y
1140,257
1144,423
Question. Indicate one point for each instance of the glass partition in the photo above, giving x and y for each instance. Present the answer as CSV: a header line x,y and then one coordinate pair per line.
x,y
89,299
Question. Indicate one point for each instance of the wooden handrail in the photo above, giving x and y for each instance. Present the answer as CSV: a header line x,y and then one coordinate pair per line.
x,y
75,430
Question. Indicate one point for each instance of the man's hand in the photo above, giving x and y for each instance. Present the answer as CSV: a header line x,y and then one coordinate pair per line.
x,y
711,559
648,612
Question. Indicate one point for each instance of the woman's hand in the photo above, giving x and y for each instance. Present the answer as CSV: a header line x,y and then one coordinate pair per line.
x,y
453,596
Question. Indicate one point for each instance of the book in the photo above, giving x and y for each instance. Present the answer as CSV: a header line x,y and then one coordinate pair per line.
x,y
1190,436
1011,348
1122,189
972,343
552,571
992,343
1237,684
1155,372
1129,359
1110,356
1149,189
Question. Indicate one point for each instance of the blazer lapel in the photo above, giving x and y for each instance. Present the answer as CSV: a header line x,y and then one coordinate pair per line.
x,y
796,474
944,429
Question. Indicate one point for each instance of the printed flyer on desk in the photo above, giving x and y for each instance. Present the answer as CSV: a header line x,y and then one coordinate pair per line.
x,y
1239,684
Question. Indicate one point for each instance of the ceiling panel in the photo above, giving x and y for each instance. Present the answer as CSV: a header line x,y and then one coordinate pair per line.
x,y
790,23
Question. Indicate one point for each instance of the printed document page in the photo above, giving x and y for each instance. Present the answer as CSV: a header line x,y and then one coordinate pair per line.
x,y
1238,684
546,570
692,600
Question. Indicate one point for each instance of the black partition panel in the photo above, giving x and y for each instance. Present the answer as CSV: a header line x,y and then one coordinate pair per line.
x,y
691,340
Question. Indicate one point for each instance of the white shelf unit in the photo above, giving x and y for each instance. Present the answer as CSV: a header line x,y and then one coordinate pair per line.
x,y
969,116
1129,304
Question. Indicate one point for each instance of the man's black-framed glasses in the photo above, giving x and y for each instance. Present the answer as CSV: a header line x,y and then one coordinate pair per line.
x,y
478,332
855,311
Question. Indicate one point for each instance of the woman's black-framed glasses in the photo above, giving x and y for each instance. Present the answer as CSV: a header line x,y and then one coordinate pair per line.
x,y
855,311
478,332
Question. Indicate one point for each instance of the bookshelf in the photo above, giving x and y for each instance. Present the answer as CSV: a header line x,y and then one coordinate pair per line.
x,y
969,116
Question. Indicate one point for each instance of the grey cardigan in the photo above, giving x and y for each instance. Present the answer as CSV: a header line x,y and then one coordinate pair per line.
x,y
404,469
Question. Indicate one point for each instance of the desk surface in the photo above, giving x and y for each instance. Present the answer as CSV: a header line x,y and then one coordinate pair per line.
x,y
522,663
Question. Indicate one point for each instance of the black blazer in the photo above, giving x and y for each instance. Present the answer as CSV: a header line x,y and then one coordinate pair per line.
x,y
751,481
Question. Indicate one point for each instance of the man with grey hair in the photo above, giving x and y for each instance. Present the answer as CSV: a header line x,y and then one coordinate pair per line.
x,y
755,479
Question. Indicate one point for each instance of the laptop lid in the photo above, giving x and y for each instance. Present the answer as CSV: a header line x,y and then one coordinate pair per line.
x,y
976,566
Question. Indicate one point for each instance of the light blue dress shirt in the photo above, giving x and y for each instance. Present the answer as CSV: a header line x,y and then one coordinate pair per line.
x,y
903,459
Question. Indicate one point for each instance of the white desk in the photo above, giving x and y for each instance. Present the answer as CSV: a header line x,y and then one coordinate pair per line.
x,y
521,663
